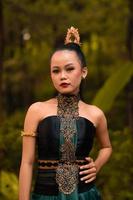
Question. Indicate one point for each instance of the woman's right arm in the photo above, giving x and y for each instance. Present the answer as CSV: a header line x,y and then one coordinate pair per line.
x,y
28,152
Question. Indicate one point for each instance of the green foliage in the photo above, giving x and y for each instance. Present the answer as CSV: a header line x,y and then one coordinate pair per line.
x,y
10,143
115,180
112,87
104,32
9,186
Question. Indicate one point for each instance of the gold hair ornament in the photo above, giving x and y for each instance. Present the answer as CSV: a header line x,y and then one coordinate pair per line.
x,y
72,36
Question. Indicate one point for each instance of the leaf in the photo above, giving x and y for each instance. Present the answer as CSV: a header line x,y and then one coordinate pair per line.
x,y
9,185
112,87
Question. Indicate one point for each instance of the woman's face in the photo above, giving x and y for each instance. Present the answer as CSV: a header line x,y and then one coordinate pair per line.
x,y
66,71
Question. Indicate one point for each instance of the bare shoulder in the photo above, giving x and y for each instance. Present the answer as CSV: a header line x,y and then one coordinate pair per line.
x,y
44,108
94,113
98,115
35,113
49,101
35,107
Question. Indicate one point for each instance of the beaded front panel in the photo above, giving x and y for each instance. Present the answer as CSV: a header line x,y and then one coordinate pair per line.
x,y
67,172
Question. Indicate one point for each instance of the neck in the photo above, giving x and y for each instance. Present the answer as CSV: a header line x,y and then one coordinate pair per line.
x,y
77,95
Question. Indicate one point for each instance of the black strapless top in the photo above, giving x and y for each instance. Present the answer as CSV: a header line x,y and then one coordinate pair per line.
x,y
48,135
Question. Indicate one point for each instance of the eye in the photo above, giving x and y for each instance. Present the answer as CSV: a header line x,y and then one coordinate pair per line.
x,y
70,69
55,71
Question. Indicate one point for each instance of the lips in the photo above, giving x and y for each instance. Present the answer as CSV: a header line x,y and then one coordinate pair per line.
x,y
64,84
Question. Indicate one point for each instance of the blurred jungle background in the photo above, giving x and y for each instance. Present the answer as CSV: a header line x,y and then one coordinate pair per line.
x,y
29,31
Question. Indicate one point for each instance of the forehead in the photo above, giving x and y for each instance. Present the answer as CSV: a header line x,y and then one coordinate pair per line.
x,y
64,56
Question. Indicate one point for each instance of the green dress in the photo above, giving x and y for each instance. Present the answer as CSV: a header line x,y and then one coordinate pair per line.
x,y
48,144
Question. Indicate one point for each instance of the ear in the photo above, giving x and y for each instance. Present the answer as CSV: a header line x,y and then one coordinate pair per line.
x,y
84,72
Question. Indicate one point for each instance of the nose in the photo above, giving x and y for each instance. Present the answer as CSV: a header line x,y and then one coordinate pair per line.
x,y
63,75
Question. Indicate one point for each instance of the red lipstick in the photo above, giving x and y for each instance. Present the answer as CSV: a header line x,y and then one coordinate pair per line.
x,y
64,85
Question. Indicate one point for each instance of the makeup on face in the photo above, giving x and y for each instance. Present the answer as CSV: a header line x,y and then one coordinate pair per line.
x,y
66,71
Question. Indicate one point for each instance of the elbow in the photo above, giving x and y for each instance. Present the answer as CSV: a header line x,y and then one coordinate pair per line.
x,y
27,163
107,149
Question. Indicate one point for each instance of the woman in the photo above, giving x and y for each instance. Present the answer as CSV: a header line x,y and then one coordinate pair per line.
x,y
63,129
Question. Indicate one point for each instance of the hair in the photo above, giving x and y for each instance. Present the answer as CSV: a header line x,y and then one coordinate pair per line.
x,y
73,47
76,48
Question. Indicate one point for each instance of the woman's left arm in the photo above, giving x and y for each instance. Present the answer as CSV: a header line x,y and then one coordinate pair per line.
x,y
90,170
104,141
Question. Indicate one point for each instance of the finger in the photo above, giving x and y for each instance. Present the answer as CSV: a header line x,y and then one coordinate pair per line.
x,y
90,180
89,159
88,166
91,165
84,166
88,171
88,177
84,172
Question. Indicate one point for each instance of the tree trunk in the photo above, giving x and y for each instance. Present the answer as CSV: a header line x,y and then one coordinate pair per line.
x,y
130,31
129,44
1,58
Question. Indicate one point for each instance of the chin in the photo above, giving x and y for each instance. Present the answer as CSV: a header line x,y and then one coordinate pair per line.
x,y
69,90
65,92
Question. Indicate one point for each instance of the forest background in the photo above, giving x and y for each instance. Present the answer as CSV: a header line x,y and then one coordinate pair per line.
x,y
29,32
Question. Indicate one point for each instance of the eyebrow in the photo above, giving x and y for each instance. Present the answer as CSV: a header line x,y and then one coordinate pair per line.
x,y
67,65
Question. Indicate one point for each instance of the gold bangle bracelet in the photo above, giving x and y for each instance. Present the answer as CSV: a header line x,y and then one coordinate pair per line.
x,y
30,134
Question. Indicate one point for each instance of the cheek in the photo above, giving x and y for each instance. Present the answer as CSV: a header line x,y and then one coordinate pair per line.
x,y
54,79
77,75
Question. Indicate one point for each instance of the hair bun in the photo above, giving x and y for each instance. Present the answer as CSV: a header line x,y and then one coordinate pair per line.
x,y
72,36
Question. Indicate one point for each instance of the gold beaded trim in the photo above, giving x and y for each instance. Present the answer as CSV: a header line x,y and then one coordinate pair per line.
x,y
53,164
30,134
67,169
